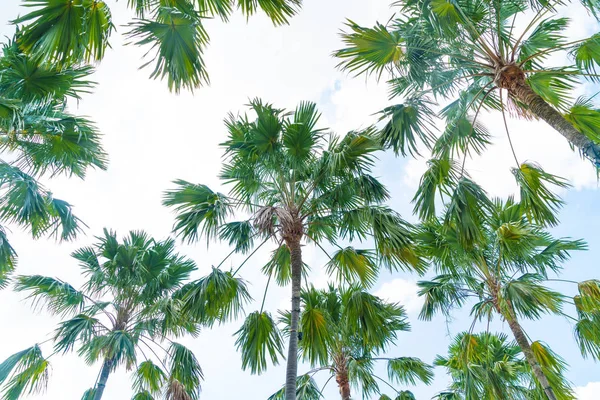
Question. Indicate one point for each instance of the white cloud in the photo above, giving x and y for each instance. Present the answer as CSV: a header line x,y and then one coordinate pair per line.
x,y
401,291
591,391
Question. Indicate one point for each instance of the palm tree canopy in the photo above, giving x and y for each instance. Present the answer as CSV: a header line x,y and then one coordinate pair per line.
x,y
466,53
128,305
297,183
282,169
76,31
344,331
488,366
41,137
516,253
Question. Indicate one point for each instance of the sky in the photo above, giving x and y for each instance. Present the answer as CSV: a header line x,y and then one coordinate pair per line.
x,y
154,137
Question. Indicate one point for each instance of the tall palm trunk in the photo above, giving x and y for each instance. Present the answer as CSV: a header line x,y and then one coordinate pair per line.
x,y
343,384
292,358
540,108
340,360
104,373
525,346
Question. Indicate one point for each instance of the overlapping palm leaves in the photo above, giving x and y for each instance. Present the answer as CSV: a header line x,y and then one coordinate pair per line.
x,y
125,314
297,185
505,269
344,334
488,366
38,136
78,31
478,55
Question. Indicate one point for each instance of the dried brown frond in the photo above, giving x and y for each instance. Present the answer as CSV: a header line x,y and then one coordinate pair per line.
x,y
176,391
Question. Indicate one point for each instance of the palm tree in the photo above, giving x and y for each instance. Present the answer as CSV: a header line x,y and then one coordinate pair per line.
x,y
503,267
474,56
298,185
76,31
487,366
129,306
38,137
343,334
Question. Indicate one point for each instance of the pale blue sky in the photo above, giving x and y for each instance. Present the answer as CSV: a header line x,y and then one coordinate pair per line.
x,y
153,137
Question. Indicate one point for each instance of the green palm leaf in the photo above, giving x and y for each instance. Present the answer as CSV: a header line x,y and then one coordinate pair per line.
x,y
200,211
529,299
28,372
352,265
66,31
538,201
185,374
369,50
258,339
409,370
408,124
585,118
177,38
59,297
217,297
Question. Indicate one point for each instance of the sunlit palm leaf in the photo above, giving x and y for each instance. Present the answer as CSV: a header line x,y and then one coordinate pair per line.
x,y
65,30
539,202
177,39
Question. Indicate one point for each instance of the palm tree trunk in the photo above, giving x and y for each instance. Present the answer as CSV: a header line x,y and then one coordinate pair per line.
x,y
523,342
104,373
292,358
344,385
540,108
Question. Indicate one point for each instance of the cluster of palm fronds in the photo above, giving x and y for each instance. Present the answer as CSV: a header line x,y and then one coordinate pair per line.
x,y
38,136
293,185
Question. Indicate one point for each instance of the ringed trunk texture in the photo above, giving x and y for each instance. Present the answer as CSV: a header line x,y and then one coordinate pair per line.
x,y
292,358
523,342
104,373
344,385
538,106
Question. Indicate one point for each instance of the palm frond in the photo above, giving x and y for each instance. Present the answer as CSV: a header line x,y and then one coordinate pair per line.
x,y
185,374
200,211
176,37
407,125
217,297
587,55
280,265
585,118
149,378
258,339
79,328
28,372
59,297
306,389
409,370
60,32
530,299
442,174
354,265
539,203
240,235
369,50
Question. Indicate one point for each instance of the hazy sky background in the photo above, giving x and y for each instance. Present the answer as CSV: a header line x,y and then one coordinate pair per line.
x,y
154,137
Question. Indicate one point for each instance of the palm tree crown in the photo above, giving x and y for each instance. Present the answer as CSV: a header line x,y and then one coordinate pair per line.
x,y
488,366
298,184
76,31
473,55
129,306
40,137
344,331
504,269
